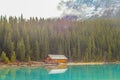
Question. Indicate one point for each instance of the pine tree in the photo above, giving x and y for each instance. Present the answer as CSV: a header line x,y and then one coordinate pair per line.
x,y
8,44
20,51
4,58
13,57
27,47
36,51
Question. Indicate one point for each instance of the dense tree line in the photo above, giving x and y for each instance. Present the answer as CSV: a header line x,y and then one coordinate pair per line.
x,y
91,40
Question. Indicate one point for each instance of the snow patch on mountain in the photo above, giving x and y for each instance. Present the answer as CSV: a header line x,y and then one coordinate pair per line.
x,y
85,9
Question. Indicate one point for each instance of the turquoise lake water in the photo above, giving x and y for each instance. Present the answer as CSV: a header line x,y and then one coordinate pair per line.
x,y
86,72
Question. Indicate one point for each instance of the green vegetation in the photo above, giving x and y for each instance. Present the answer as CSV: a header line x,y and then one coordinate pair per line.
x,y
33,39
4,57
13,57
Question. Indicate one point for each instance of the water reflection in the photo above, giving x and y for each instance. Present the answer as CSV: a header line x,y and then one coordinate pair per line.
x,y
98,72
60,69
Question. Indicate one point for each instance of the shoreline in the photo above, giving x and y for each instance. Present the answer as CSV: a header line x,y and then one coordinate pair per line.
x,y
92,63
85,63
41,64
21,64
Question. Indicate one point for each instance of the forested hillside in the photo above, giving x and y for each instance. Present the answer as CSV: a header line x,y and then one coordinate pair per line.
x,y
90,40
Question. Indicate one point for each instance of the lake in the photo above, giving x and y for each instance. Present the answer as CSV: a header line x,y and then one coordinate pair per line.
x,y
84,72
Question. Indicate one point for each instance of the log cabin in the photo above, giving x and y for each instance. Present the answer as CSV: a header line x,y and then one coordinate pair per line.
x,y
55,59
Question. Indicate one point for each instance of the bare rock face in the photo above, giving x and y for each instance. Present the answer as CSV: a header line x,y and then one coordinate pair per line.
x,y
85,9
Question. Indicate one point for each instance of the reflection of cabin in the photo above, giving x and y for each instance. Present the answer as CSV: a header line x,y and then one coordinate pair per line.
x,y
55,59
57,71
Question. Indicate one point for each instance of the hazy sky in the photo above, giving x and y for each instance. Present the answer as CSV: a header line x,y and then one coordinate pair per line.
x,y
36,8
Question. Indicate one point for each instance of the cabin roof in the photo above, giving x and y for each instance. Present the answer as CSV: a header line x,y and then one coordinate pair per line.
x,y
57,56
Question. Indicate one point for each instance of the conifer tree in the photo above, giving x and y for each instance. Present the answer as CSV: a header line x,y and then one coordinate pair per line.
x,y
36,51
13,57
20,51
4,58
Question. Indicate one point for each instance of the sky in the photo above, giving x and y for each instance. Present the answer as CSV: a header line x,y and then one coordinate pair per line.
x,y
30,8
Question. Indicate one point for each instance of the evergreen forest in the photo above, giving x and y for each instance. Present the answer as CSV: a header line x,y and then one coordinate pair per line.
x,y
34,38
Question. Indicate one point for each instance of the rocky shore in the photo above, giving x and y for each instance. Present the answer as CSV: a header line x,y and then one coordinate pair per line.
x,y
39,64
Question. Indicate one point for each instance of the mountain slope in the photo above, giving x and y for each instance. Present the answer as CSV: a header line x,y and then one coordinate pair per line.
x,y
85,9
